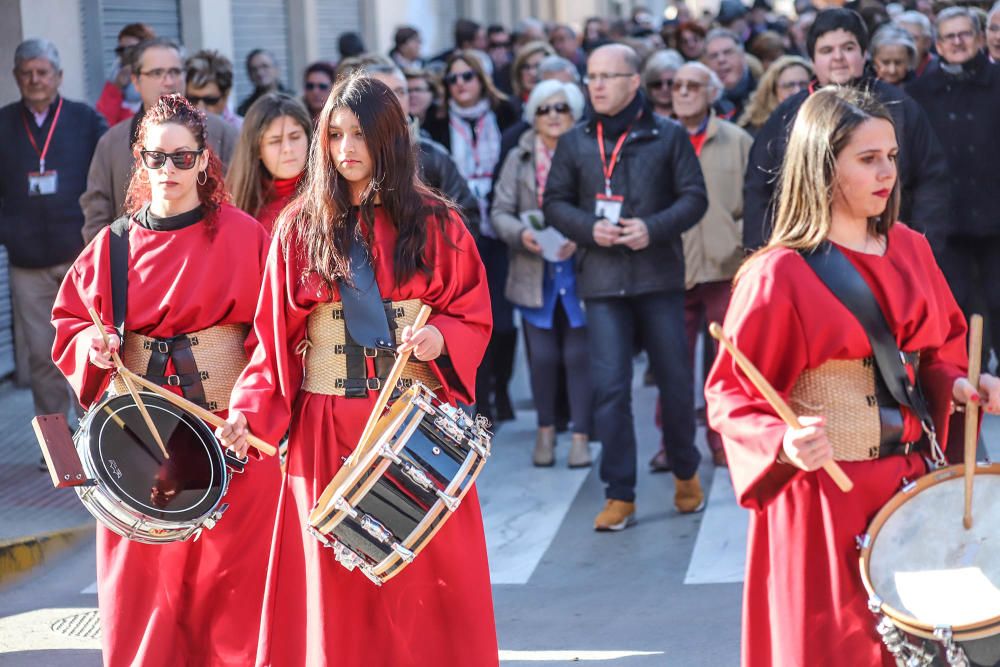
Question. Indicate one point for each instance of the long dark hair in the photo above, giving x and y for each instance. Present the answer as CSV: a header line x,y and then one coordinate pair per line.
x,y
317,220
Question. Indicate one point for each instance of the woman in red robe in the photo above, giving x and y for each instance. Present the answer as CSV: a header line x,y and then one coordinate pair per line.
x,y
439,610
194,263
804,603
270,159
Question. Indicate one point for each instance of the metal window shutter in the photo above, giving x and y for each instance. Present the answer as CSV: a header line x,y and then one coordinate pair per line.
x,y
335,17
259,24
6,320
163,16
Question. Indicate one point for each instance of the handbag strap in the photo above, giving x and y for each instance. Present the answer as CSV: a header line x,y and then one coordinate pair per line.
x,y
843,279
118,256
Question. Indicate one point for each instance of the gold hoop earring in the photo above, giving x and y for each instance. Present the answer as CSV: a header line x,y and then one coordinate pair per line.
x,y
202,177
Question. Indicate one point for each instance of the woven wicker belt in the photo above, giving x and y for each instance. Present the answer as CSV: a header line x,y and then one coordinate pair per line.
x,y
325,351
219,354
844,392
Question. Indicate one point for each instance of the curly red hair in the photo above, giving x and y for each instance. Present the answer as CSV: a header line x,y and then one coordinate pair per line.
x,y
176,109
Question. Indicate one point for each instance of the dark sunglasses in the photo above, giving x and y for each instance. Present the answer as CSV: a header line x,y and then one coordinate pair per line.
x,y
317,86
181,159
500,45
663,83
465,76
558,107
209,100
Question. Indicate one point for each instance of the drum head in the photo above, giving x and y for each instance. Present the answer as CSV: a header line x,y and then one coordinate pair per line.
x,y
131,466
925,564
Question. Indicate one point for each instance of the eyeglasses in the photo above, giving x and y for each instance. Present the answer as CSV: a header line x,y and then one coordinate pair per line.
x,y
310,86
604,77
959,36
558,107
662,83
693,86
499,45
209,100
794,85
161,73
528,66
181,159
466,76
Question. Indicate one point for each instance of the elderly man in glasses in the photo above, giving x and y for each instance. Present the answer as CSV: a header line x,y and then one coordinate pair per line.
x,y
623,187
48,143
158,70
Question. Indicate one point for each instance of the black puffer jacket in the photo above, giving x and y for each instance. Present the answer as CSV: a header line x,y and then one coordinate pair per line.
x,y
438,170
660,178
964,109
923,171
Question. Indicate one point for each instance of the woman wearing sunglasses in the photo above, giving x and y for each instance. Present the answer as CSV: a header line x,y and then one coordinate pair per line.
x,y
270,158
542,281
476,115
658,77
362,190
209,82
195,265
316,86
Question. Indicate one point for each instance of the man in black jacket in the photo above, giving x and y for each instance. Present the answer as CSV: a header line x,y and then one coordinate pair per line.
x,y
47,146
837,41
962,99
623,187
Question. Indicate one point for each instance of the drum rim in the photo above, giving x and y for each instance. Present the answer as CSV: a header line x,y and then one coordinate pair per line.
x,y
969,631
110,491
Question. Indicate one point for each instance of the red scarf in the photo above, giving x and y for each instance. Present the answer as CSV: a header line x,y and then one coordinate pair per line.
x,y
277,193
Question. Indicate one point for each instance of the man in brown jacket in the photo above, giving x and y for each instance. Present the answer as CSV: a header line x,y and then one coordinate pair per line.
x,y
713,249
159,70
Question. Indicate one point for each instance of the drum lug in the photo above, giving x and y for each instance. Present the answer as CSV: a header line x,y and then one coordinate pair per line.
x,y
213,518
403,552
418,476
954,653
875,604
451,502
345,506
387,453
863,541
374,527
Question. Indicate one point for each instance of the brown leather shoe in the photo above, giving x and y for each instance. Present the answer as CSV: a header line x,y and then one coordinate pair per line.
x,y
545,447
688,497
616,515
579,451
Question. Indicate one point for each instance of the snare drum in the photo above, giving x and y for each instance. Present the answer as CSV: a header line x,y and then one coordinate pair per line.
x,y
137,493
398,489
930,578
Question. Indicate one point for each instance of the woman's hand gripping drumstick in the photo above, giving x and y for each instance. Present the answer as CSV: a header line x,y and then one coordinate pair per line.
x,y
110,349
972,413
804,445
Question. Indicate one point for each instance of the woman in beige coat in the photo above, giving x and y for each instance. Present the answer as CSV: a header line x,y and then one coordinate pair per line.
x,y
542,280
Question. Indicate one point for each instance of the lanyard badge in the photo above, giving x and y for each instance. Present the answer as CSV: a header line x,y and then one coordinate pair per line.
x,y
609,206
43,182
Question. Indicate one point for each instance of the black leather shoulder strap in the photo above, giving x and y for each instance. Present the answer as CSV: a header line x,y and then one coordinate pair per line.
x,y
364,312
843,279
118,255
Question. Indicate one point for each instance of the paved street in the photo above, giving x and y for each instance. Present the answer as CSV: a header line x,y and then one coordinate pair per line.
x,y
664,592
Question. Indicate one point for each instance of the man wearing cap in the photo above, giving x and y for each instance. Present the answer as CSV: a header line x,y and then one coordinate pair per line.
x,y
48,143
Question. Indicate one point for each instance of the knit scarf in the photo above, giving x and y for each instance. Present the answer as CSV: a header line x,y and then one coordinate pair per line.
x,y
475,147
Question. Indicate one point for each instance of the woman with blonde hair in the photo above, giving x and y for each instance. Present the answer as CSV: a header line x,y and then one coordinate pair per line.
x,y
270,158
785,77
524,72
837,205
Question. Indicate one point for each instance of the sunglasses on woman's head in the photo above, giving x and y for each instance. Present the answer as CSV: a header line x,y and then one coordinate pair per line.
x,y
181,159
558,107
466,76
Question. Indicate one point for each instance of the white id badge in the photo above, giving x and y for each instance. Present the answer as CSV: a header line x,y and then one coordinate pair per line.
x,y
608,207
42,183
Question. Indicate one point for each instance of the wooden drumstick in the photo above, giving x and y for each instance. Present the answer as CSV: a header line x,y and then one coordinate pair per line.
x,y
972,413
392,379
198,411
128,385
774,398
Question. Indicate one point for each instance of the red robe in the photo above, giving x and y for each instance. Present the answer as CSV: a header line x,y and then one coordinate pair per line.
x,y
439,610
279,193
194,602
804,604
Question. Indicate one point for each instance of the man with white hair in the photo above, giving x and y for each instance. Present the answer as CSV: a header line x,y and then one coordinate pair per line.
x,y
48,143
713,248
724,53
919,27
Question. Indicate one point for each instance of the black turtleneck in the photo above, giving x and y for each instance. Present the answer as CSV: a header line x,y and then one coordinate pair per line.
x,y
615,125
171,223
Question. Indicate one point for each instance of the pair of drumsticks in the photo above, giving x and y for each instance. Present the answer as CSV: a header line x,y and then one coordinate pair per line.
x,y
832,468
131,379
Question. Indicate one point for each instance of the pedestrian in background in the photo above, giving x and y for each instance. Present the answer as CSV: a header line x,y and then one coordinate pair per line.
x,y
209,77
920,29
624,187
270,158
406,48
786,77
658,79
316,86
894,54
119,99
725,54
542,284
525,70
262,68
993,33
48,143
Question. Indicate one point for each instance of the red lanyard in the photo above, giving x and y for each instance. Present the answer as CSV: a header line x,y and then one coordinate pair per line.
x,y
606,168
48,139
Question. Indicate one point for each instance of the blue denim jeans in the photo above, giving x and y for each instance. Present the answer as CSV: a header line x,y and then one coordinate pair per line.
x,y
656,320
